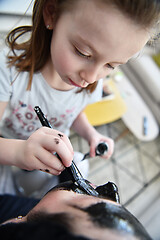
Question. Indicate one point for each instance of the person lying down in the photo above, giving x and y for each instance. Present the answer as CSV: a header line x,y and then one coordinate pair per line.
x,y
75,209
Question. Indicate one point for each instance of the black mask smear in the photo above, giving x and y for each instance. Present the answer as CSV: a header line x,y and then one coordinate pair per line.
x,y
68,186
113,216
109,191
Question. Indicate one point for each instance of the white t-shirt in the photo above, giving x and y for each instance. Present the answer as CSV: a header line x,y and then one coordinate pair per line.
x,y
60,107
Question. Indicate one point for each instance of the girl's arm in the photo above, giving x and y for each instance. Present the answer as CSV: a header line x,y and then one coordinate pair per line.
x,y
82,126
3,106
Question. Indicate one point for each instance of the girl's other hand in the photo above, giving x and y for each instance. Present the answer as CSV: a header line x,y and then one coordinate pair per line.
x,y
37,152
96,139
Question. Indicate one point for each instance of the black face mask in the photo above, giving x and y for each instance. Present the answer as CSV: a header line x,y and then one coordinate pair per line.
x,y
107,191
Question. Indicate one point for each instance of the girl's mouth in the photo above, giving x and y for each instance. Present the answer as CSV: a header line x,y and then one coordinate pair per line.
x,y
74,84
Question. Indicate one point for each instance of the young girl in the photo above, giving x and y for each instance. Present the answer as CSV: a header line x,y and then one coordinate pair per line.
x,y
69,48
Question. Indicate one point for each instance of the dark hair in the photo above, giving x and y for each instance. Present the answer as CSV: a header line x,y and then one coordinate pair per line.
x,y
36,231
36,49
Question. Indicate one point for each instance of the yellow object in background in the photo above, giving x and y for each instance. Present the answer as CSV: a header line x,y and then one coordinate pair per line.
x,y
156,58
106,111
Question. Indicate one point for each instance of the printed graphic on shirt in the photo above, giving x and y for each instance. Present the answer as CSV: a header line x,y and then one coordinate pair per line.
x,y
24,121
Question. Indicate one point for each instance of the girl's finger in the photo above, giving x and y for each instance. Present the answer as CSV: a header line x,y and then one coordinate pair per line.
x,y
36,164
55,144
44,168
50,160
59,135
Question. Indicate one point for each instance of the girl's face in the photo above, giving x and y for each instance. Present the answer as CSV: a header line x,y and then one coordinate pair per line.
x,y
90,41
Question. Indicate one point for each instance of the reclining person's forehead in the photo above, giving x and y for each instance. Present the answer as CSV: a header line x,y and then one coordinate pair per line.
x,y
105,213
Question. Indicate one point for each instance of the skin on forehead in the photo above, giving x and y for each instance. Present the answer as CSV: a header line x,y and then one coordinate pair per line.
x,y
107,28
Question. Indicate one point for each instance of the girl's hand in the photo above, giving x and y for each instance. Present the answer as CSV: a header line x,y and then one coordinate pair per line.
x,y
95,139
37,152
82,126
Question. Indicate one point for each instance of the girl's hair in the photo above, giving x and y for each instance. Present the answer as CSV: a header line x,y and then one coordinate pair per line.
x,y
36,50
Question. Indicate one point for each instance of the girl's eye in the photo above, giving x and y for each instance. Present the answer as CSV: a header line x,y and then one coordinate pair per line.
x,y
81,54
110,66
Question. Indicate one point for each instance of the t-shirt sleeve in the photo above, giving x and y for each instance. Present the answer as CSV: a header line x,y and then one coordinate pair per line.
x,y
97,94
5,78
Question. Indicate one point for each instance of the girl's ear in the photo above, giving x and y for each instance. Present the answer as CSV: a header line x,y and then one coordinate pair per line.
x,y
49,14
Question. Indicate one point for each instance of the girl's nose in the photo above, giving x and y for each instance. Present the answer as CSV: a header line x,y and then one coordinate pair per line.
x,y
90,75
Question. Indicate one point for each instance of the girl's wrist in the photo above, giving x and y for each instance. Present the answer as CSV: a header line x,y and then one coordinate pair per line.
x,y
19,153
89,133
10,149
